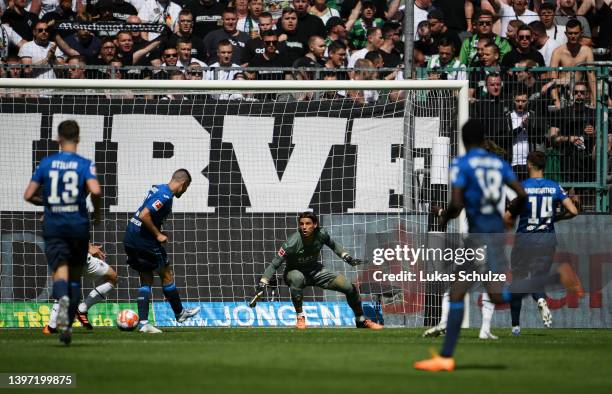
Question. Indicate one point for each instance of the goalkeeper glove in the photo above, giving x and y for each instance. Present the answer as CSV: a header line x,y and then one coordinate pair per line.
x,y
259,292
351,261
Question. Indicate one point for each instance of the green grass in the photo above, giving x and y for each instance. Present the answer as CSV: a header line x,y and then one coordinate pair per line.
x,y
318,361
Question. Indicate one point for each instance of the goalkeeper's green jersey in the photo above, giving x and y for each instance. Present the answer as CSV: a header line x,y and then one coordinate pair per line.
x,y
304,258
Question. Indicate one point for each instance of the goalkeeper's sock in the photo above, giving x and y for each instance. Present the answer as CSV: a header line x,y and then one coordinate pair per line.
x,y
488,308
445,305
95,296
453,327
52,323
173,298
515,309
144,295
60,288
75,297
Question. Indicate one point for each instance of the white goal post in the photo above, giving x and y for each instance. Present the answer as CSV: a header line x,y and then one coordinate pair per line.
x,y
370,171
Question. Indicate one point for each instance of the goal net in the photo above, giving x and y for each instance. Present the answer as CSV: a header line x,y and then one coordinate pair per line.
x,y
368,157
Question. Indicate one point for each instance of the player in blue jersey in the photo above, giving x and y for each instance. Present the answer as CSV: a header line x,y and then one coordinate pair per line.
x,y
536,241
143,243
477,181
66,178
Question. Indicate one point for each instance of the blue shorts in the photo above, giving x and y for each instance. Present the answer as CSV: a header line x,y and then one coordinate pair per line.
x,y
146,260
72,251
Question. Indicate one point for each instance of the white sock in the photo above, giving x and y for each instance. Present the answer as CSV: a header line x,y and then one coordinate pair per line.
x,y
301,314
488,308
143,322
95,296
445,309
53,315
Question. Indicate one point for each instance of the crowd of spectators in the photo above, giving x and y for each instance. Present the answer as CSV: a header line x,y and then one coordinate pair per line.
x,y
478,40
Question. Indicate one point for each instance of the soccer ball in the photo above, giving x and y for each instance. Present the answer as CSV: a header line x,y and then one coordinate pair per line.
x,y
127,320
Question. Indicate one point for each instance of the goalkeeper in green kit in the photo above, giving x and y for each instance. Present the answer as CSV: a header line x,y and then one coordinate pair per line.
x,y
301,254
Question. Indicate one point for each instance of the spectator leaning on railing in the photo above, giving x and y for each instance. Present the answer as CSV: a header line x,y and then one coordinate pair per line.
x,y
271,58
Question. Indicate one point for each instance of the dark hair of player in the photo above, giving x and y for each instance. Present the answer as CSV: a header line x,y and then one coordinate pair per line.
x,y
68,131
309,215
537,159
473,133
181,175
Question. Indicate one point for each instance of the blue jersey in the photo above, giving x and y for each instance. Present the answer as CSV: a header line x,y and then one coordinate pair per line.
x,y
159,202
63,177
482,176
543,198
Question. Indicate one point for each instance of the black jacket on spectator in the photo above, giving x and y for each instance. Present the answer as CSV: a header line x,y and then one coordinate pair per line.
x,y
278,61
311,25
390,60
59,16
514,56
454,13
205,19
22,24
296,45
490,111
122,10
238,41
253,47
576,161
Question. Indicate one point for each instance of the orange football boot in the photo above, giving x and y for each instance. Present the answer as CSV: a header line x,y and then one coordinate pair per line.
x,y
436,363
300,323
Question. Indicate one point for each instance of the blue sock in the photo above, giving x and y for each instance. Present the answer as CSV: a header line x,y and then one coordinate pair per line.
x,y
75,298
515,309
173,298
453,327
144,295
506,294
60,289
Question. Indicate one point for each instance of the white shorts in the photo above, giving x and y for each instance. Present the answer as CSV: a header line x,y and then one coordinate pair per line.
x,y
96,268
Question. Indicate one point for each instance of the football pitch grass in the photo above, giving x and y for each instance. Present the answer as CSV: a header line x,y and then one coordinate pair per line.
x,y
319,361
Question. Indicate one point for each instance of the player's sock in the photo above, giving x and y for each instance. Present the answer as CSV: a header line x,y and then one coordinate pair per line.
x,y
488,308
52,323
95,296
445,307
515,309
144,295
453,327
60,289
538,295
173,298
75,297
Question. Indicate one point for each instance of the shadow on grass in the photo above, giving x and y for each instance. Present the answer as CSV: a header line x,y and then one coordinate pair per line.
x,y
481,367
